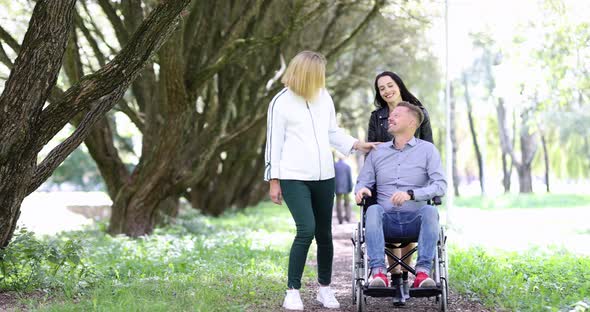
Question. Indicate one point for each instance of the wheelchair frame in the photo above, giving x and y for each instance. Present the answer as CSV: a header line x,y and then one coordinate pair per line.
x,y
360,269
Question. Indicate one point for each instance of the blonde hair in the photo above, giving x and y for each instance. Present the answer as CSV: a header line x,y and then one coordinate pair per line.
x,y
306,74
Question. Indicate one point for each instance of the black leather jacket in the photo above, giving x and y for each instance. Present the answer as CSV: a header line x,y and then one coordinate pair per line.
x,y
378,126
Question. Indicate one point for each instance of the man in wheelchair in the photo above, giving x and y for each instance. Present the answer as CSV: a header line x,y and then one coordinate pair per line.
x,y
407,172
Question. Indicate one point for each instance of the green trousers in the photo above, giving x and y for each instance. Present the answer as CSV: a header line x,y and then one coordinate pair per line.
x,y
310,203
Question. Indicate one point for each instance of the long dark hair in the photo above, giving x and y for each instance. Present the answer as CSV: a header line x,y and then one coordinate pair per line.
x,y
406,95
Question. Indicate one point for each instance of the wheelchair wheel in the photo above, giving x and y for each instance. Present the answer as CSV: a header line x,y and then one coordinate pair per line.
x,y
357,262
443,271
443,301
354,266
360,297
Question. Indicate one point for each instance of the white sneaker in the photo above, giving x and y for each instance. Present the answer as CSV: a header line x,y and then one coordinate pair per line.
x,y
326,297
293,300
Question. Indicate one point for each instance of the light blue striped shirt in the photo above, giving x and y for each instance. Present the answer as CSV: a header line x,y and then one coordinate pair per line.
x,y
415,167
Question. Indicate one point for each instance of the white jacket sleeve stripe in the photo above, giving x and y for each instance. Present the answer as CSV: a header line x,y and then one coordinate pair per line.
x,y
274,134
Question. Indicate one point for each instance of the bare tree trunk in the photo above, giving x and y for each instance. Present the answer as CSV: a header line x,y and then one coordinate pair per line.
x,y
236,179
454,142
29,85
506,172
512,162
167,212
478,155
528,148
546,161
525,179
27,124
505,145
136,207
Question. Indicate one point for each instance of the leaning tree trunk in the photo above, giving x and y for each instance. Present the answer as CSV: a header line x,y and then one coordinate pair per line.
x,y
474,135
28,124
135,208
29,85
454,143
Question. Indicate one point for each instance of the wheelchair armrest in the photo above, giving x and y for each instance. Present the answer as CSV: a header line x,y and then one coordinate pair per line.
x,y
436,201
364,201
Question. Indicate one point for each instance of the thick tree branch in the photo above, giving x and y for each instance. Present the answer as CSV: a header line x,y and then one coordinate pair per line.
x,y
23,98
96,30
330,26
4,57
72,62
99,140
100,57
119,72
63,150
133,14
120,30
6,37
340,47
192,23
242,128
133,115
243,47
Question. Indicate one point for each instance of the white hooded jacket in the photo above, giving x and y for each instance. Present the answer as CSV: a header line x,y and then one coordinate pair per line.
x,y
299,135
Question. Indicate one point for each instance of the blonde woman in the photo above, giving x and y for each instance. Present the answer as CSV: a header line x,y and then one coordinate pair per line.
x,y
301,127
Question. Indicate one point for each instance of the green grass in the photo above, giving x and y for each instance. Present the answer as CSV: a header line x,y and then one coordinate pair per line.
x,y
238,262
529,281
523,201
234,263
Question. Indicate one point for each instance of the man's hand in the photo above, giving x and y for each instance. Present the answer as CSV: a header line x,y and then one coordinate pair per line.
x,y
275,192
359,195
398,198
365,147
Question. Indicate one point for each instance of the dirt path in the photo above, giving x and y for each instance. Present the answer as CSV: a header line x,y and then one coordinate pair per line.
x,y
341,283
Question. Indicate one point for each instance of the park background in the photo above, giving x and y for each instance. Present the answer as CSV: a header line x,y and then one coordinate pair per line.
x,y
147,185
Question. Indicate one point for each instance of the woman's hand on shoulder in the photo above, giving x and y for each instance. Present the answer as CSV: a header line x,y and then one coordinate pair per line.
x,y
365,147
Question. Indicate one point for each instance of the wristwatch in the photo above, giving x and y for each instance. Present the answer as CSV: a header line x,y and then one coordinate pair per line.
x,y
411,193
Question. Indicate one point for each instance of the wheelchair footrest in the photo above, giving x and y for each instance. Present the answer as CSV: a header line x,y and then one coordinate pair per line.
x,y
380,291
425,292
393,292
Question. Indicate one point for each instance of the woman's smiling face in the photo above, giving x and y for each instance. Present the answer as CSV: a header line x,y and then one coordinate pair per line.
x,y
389,90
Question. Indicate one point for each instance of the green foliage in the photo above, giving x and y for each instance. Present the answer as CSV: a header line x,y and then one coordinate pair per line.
x,y
529,281
531,201
234,263
29,263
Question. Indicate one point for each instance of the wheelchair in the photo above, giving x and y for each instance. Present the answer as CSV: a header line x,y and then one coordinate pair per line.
x,y
360,269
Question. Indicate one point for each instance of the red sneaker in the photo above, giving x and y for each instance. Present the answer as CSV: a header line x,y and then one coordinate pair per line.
x,y
423,280
379,280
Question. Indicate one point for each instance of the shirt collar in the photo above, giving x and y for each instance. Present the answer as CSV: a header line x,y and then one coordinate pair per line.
x,y
412,142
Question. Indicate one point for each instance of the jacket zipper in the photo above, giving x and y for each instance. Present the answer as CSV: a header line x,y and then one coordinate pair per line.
x,y
316,138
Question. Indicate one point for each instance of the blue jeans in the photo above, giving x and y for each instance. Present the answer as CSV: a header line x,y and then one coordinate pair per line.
x,y
381,226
